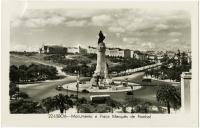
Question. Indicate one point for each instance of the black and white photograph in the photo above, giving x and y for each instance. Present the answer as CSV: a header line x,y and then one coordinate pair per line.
x,y
100,60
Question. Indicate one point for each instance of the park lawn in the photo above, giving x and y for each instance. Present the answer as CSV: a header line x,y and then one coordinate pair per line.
x,y
16,60
27,60
147,93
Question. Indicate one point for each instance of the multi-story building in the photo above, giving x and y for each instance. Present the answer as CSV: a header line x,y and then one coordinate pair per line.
x,y
73,50
170,54
127,53
139,55
54,49
113,52
91,50
159,58
152,57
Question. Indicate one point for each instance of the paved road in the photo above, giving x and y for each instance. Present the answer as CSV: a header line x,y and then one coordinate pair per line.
x,y
47,89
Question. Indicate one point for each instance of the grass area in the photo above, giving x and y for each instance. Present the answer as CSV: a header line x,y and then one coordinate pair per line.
x,y
27,60
15,60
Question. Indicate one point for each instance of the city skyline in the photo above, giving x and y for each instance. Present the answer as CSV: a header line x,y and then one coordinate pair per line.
x,y
135,29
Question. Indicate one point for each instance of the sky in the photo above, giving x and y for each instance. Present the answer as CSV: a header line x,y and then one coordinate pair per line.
x,y
132,28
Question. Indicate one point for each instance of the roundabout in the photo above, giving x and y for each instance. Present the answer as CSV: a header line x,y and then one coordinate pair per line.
x,y
101,80
118,86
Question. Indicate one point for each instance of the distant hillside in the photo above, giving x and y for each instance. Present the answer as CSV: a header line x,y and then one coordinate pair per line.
x,y
16,59
20,60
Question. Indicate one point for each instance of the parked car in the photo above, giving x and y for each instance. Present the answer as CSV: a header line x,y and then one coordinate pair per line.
x,y
129,93
85,91
146,80
59,88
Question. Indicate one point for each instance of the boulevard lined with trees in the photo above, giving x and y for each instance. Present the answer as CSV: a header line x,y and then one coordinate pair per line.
x,y
116,65
171,68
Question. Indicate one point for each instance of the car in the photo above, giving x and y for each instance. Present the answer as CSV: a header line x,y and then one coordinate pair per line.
x,y
146,80
99,99
85,91
72,96
129,93
59,88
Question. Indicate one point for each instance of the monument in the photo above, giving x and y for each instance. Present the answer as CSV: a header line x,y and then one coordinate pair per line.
x,y
100,76
101,81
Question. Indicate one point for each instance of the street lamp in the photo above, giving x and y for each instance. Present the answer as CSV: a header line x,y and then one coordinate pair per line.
x,y
77,86
67,90
132,99
77,83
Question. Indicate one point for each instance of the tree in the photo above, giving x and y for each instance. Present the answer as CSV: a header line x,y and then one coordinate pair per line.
x,y
25,107
13,89
84,69
49,104
14,74
23,95
184,62
32,71
169,96
143,108
112,103
60,102
23,72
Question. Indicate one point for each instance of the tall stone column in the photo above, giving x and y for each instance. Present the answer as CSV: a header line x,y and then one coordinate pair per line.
x,y
101,72
185,91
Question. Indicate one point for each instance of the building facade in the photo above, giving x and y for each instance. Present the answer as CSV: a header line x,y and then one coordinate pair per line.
x,y
91,50
139,55
112,52
73,50
55,49
170,54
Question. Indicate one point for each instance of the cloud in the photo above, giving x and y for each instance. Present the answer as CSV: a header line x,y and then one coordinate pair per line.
x,y
21,47
38,21
116,29
161,27
76,23
118,34
55,20
148,45
135,27
173,41
33,23
79,13
101,20
129,20
130,40
175,34
138,43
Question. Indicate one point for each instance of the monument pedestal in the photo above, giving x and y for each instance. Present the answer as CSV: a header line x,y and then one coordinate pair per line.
x,y
100,76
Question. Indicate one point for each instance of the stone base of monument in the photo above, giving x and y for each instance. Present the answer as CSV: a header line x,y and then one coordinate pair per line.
x,y
116,87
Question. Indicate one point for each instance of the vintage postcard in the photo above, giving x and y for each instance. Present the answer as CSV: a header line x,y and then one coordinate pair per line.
x,y
100,63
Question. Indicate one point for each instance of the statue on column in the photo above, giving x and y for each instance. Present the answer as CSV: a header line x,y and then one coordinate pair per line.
x,y
101,72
